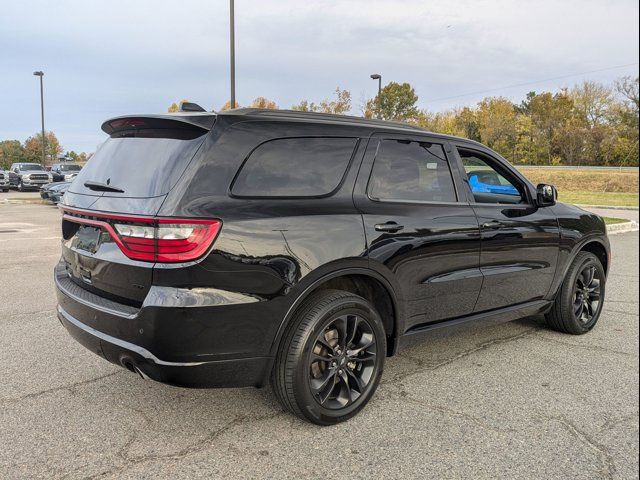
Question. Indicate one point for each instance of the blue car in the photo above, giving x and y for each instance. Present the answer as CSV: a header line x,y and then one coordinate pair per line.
x,y
489,182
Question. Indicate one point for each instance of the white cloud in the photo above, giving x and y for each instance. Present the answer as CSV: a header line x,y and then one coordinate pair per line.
x,y
103,59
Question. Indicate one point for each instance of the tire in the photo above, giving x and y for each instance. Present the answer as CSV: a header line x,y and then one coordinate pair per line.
x,y
313,353
20,187
566,316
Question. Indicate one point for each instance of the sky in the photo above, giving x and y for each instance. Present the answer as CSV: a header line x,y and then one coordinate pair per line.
x,y
103,59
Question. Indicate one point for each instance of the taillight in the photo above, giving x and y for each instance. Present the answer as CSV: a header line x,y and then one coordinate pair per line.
x,y
167,239
154,239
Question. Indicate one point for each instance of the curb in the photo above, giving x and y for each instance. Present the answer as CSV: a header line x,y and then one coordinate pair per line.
x,y
622,228
608,207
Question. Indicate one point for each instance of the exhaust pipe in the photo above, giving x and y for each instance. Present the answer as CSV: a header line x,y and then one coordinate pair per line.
x,y
129,365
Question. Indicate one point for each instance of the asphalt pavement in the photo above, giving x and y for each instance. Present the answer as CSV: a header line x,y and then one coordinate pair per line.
x,y
510,401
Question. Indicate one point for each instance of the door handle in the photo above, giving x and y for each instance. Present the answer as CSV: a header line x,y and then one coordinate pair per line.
x,y
390,227
492,225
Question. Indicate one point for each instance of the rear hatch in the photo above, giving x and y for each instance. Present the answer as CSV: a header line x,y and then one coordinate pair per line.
x,y
109,225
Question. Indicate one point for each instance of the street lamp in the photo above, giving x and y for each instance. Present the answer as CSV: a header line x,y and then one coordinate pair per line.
x,y
232,53
44,139
377,76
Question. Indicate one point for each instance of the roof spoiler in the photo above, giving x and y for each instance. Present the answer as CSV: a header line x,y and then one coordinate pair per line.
x,y
182,121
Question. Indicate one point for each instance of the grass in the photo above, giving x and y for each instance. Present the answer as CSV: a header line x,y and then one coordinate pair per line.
x,y
612,220
595,181
614,199
590,187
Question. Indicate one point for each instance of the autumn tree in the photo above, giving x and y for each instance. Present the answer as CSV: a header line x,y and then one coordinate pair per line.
x,y
395,102
339,106
262,102
11,151
33,147
227,106
496,119
175,107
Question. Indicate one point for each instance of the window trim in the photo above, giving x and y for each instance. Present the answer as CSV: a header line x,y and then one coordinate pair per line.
x,y
504,165
448,156
294,197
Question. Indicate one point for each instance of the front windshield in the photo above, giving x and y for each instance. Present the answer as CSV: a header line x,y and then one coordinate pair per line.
x,y
70,168
25,167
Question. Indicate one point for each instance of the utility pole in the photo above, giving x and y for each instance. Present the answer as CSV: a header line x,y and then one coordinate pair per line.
x,y
44,138
232,39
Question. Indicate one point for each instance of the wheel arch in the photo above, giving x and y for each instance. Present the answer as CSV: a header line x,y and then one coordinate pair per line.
x,y
364,282
598,249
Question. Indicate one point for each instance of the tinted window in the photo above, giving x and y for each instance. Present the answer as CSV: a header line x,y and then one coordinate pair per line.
x,y
70,168
142,167
489,183
25,167
411,171
295,167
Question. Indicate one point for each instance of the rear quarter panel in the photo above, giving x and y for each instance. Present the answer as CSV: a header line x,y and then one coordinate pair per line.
x,y
268,250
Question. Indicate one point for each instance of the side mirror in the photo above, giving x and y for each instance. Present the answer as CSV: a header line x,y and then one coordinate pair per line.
x,y
547,195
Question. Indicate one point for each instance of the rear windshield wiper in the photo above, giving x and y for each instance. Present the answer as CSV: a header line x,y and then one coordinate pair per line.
x,y
102,187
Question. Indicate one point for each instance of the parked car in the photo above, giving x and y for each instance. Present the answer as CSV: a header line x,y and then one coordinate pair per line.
x,y
484,181
53,191
28,176
65,172
206,250
4,181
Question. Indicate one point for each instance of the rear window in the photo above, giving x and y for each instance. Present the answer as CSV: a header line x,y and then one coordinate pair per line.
x,y
294,167
141,166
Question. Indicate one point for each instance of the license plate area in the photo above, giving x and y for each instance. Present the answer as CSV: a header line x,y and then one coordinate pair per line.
x,y
87,238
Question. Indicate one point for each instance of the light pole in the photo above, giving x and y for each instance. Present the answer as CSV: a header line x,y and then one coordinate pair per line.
x,y
44,139
232,41
377,76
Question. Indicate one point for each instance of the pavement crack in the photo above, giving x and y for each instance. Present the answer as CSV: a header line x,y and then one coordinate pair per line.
x,y
608,469
422,366
199,446
611,424
405,396
595,348
69,388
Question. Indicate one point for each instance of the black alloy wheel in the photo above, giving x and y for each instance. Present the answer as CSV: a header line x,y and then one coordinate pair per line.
x,y
342,362
586,299
579,302
331,357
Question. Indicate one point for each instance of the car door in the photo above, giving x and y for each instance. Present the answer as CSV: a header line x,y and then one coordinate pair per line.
x,y
519,240
416,228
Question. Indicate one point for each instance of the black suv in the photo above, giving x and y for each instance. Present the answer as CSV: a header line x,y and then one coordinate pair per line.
x,y
206,250
65,172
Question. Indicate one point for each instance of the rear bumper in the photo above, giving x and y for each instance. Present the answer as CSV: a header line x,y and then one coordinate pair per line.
x,y
220,373
199,347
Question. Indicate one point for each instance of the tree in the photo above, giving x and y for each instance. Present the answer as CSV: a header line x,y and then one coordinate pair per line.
x,y
11,151
340,106
175,107
440,122
628,88
33,148
227,106
395,102
592,101
497,125
262,102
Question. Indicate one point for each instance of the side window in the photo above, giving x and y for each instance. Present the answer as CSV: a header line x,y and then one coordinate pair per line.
x,y
411,171
490,184
294,167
